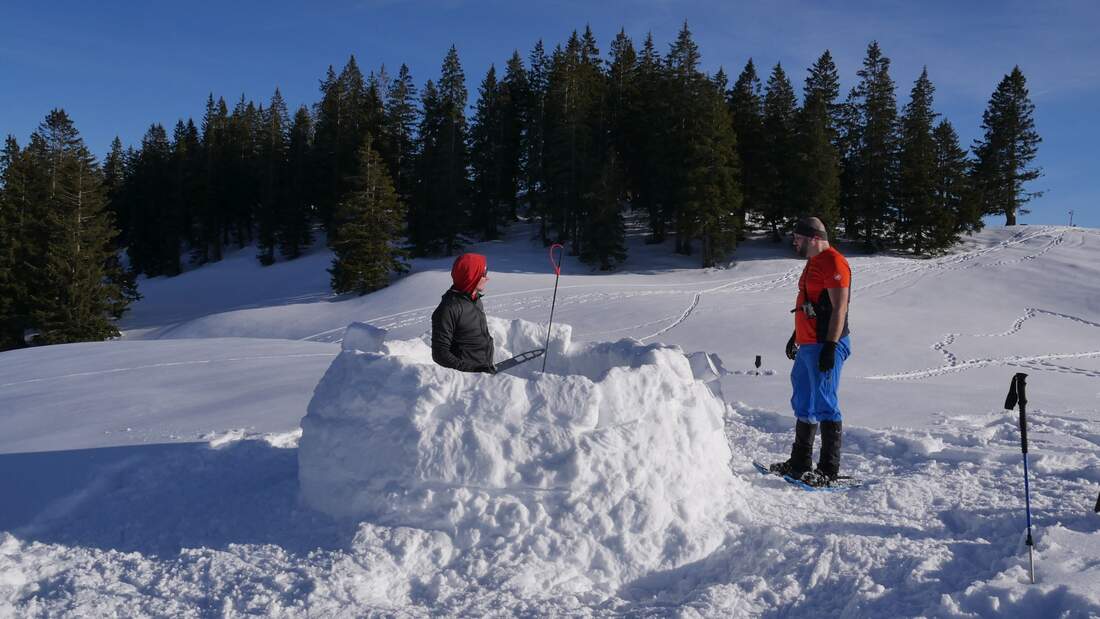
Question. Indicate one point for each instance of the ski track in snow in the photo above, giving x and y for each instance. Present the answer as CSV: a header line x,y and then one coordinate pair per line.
x,y
516,302
875,273
167,364
1039,362
959,261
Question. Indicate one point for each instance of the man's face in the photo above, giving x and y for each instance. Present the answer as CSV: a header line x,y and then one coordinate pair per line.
x,y
801,245
483,281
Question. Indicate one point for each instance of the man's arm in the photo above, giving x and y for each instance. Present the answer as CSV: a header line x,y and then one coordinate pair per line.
x,y
838,297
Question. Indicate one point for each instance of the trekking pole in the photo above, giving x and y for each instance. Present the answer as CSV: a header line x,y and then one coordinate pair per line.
x,y
557,276
1017,391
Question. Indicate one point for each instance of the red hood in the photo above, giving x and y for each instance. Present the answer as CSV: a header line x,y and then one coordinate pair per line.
x,y
467,272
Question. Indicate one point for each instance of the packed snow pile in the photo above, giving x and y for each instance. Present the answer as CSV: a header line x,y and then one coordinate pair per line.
x,y
609,465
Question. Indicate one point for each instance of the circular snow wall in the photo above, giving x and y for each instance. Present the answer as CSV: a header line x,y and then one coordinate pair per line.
x,y
610,464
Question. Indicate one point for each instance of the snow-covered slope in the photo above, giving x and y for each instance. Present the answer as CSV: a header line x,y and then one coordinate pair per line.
x,y
159,474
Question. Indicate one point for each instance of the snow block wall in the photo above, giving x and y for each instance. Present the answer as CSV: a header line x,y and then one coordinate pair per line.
x,y
611,464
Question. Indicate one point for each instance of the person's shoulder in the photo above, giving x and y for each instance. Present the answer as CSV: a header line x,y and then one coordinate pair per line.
x,y
451,301
834,256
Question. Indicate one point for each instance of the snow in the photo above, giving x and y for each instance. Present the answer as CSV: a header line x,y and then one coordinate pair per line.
x,y
225,457
556,468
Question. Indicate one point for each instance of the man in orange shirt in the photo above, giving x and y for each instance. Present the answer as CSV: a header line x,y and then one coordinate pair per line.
x,y
819,346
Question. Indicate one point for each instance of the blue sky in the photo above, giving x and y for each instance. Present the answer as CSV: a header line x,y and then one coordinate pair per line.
x,y
117,67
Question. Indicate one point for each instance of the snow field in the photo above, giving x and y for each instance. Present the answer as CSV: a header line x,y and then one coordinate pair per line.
x,y
163,477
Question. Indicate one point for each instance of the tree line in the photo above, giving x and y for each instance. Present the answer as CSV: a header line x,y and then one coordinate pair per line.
x,y
570,140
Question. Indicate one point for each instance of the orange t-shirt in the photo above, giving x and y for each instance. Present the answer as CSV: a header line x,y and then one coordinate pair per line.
x,y
829,269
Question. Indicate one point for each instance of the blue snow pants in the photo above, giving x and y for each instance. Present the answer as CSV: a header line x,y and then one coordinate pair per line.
x,y
813,392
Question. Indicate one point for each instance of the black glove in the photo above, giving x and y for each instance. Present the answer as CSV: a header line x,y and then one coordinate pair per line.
x,y
828,356
490,369
792,348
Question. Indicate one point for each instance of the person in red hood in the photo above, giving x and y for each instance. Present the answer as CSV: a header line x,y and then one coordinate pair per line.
x,y
460,333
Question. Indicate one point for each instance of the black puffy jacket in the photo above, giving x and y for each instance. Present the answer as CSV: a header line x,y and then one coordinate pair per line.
x,y
460,334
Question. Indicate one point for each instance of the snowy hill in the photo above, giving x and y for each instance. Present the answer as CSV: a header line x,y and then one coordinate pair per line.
x,y
159,474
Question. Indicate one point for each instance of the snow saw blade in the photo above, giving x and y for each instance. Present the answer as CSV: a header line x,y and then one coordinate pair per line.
x,y
508,364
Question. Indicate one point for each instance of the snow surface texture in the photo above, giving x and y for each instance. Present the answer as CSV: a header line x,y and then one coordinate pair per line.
x,y
159,475
540,473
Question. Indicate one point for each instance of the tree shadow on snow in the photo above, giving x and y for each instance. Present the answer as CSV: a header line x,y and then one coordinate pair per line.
x,y
157,499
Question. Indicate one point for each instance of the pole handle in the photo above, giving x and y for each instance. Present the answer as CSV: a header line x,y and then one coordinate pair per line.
x,y
561,251
1017,393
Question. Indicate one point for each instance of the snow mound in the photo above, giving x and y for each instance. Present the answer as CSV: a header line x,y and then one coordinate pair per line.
x,y
609,465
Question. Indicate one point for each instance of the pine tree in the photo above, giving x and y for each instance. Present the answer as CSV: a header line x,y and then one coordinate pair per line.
x,y
242,172
369,223
595,146
703,167
16,198
572,134
327,181
687,88
623,110
649,158
295,221
780,153
398,131
350,109
439,208
374,107
714,174
356,118
604,230
422,224
76,294
953,193
274,144
441,197
875,156
1006,150
534,137
211,209
155,224
515,112
823,85
487,160
849,139
918,219
746,101
189,160
114,182
816,179
451,207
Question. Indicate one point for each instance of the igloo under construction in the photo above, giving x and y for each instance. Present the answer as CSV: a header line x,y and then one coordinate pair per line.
x,y
610,464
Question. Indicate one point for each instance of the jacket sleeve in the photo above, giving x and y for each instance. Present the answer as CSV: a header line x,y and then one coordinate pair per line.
x,y
444,320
